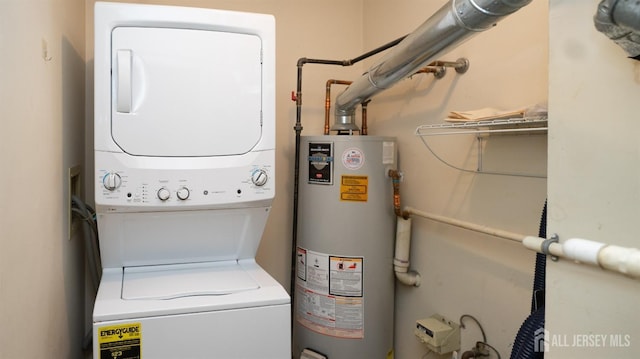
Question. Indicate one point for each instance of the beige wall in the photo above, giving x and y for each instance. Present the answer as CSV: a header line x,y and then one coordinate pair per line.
x,y
464,272
594,182
42,97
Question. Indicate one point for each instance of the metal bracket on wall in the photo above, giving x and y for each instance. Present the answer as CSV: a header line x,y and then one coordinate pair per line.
x,y
439,68
545,246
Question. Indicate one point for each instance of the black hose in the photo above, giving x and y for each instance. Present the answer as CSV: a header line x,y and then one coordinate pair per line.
x,y
539,275
90,234
528,343
92,253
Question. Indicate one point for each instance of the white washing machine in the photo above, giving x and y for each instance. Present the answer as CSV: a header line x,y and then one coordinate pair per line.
x,y
185,178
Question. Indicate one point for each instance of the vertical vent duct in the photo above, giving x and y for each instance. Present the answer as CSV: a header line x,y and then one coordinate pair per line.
x,y
455,22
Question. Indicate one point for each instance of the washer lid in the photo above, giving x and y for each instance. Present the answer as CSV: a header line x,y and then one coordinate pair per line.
x,y
185,92
185,280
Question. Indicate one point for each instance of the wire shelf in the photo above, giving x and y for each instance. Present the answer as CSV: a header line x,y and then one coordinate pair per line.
x,y
480,129
509,125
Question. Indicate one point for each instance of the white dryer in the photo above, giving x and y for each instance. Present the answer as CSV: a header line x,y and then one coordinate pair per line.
x,y
185,177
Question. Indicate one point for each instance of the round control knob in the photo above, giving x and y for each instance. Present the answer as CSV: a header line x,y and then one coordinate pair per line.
x,y
259,177
183,193
164,194
111,181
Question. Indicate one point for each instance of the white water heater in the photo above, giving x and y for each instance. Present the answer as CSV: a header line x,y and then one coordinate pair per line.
x,y
344,270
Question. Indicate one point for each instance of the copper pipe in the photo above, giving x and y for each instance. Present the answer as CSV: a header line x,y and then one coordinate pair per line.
x,y
395,180
327,101
427,70
437,71
364,131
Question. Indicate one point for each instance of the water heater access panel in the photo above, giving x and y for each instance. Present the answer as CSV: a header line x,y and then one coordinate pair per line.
x,y
185,92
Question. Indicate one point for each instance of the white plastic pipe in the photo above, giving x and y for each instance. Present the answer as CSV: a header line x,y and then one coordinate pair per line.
x,y
582,250
535,244
401,258
403,245
618,259
517,237
409,278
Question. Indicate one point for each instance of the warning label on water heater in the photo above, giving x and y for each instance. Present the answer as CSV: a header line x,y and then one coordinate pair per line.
x,y
330,299
345,276
354,188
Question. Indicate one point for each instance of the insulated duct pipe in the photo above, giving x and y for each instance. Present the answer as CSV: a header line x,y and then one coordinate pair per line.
x,y
455,22
620,21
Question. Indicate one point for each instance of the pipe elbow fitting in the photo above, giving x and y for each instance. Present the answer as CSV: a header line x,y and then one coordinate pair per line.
x,y
409,278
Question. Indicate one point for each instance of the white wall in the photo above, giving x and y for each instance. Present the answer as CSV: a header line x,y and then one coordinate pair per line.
x,y
594,182
42,114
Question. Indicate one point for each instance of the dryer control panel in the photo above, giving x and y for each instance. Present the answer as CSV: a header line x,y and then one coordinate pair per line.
x,y
123,188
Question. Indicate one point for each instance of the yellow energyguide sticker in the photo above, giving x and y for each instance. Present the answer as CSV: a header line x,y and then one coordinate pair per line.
x,y
121,341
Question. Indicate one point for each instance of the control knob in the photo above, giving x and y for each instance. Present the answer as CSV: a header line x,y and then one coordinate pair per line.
x,y
183,193
164,194
259,177
111,181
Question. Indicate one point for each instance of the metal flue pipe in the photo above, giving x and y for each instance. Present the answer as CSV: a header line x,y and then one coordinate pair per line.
x,y
455,22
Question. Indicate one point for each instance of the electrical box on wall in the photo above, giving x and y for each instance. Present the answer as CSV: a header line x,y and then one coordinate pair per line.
x,y
438,334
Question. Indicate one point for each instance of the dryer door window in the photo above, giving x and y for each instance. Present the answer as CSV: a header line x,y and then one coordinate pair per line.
x,y
184,92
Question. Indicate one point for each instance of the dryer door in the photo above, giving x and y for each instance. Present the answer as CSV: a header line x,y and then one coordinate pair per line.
x,y
184,92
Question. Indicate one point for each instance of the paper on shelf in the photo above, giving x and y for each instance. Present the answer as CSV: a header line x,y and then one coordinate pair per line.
x,y
483,114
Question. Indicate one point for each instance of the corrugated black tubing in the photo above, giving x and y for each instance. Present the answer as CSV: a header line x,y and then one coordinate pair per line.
x,y
525,346
541,260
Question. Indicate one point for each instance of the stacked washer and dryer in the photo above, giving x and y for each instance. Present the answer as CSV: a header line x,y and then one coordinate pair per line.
x,y
185,170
